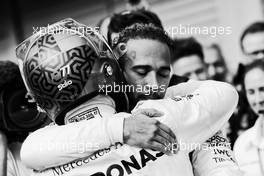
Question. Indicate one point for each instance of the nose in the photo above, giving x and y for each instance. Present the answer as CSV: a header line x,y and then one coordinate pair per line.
x,y
257,99
152,79
211,70
261,98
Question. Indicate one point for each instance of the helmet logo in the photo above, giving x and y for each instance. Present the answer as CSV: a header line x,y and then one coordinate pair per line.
x,y
63,72
109,70
64,84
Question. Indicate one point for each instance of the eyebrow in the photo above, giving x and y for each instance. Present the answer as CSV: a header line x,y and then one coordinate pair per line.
x,y
258,51
149,67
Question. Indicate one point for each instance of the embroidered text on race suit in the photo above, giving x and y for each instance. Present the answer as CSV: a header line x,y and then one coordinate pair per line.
x,y
185,97
220,148
120,167
125,166
86,115
60,170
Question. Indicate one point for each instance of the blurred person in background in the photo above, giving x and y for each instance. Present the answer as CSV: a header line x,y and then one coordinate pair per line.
x,y
17,118
188,62
217,70
188,59
249,146
215,63
252,46
252,41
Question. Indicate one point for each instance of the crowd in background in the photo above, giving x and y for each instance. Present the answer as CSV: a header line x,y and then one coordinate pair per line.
x,y
190,60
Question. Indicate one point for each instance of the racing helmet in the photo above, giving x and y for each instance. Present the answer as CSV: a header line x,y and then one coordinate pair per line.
x,y
67,63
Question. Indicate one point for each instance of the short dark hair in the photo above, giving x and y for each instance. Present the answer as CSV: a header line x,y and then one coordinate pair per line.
x,y
186,47
120,21
9,73
154,19
255,64
252,28
143,31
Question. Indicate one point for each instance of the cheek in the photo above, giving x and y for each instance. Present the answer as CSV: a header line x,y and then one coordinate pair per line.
x,y
132,78
164,81
251,99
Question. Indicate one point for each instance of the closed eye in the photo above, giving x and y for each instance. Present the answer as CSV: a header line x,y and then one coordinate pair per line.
x,y
257,52
141,70
250,91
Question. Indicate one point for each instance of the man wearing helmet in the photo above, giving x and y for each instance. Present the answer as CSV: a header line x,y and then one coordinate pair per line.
x,y
66,79
192,104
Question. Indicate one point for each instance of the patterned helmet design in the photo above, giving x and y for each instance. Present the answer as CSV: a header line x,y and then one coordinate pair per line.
x,y
63,66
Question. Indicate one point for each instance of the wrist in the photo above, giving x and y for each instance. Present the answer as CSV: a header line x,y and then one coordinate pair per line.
x,y
116,128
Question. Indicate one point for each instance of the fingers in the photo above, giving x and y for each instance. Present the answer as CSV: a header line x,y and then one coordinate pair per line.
x,y
148,133
164,138
159,147
166,132
169,142
162,141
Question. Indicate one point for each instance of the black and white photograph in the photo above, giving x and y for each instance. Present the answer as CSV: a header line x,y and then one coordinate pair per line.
x,y
132,88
